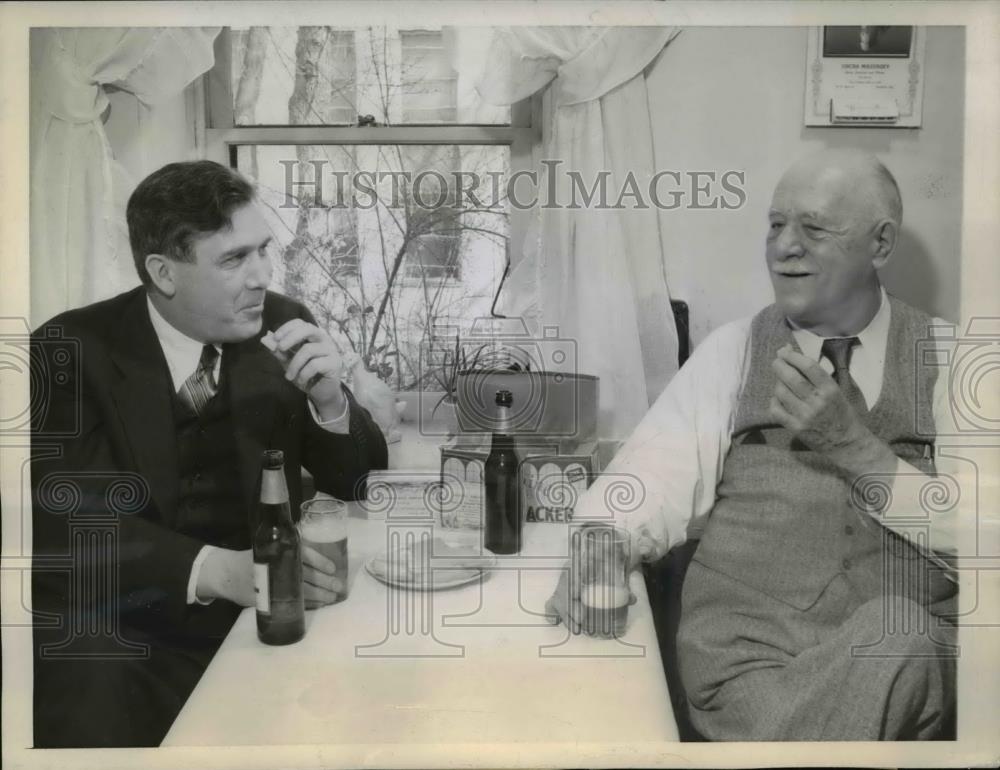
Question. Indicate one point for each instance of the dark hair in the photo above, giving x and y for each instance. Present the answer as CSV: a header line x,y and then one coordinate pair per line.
x,y
178,202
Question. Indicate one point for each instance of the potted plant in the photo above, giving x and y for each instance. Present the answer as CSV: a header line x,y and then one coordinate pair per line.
x,y
446,377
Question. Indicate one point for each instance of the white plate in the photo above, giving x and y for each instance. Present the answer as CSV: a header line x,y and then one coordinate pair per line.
x,y
442,576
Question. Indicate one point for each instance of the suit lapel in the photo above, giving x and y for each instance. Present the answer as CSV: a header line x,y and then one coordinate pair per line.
x,y
255,382
142,397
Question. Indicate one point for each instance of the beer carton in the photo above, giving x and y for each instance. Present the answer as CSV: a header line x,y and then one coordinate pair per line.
x,y
399,495
552,483
462,500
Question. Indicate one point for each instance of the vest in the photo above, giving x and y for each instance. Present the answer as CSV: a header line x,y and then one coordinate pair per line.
x,y
210,501
785,522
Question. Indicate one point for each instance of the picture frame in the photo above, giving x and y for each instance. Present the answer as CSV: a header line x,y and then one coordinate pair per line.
x,y
865,76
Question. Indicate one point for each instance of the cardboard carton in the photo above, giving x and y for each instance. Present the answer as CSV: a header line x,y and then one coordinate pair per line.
x,y
552,483
550,480
462,501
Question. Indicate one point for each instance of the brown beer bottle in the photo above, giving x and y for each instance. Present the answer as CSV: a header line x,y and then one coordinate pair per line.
x,y
277,559
503,504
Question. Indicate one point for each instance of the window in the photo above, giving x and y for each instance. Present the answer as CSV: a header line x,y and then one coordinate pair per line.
x,y
429,83
293,76
434,252
382,179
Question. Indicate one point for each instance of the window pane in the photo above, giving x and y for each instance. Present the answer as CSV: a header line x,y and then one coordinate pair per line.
x,y
331,76
386,243
435,256
293,76
429,82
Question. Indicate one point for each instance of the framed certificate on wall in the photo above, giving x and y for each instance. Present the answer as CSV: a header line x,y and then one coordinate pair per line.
x,y
865,76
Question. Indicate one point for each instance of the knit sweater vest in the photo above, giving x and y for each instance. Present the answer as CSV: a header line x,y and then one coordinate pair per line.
x,y
786,522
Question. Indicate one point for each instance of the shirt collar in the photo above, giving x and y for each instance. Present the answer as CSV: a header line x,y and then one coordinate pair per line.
x,y
872,339
182,352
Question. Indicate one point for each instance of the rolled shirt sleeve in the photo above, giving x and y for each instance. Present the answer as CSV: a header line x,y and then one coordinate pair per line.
x,y
663,479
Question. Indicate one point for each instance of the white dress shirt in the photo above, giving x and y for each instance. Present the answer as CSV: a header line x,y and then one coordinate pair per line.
x,y
673,461
183,354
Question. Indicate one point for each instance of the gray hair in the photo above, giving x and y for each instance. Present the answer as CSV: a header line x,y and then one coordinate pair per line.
x,y
887,193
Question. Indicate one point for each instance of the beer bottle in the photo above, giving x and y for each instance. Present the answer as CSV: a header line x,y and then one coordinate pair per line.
x,y
503,504
277,559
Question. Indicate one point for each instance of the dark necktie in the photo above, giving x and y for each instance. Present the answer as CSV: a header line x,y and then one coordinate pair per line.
x,y
199,388
838,351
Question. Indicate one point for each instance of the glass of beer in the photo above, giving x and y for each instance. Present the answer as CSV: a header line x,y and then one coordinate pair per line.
x,y
604,591
323,527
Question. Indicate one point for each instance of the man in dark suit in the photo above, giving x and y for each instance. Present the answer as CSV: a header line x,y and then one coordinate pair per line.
x,y
148,426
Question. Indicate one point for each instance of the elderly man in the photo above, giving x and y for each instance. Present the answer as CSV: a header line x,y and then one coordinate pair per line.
x,y
154,422
806,615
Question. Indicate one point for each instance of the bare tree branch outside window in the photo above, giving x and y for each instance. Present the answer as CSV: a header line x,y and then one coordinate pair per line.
x,y
382,277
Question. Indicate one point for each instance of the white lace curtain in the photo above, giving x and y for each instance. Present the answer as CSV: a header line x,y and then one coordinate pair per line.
x,y
79,243
599,274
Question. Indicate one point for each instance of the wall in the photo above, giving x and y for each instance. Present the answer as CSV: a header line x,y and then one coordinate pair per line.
x,y
142,139
732,98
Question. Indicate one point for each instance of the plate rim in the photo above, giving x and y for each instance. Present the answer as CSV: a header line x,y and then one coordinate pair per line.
x,y
480,572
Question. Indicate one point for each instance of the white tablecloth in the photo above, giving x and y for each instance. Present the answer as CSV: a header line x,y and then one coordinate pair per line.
x,y
478,664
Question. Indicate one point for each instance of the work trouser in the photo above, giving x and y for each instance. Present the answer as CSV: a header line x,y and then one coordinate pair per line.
x,y
847,668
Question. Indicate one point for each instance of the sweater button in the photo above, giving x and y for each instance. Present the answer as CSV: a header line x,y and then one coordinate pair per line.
x,y
848,530
846,564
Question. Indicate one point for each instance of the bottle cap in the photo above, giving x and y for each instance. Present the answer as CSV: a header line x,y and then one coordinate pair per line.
x,y
504,398
274,458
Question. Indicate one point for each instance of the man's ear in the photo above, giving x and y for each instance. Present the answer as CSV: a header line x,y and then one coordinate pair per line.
x,y
883,242
161,273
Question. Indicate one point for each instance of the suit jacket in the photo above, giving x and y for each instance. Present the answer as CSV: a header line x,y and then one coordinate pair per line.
x,y
104,451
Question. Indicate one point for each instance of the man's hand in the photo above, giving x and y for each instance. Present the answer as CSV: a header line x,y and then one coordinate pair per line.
x,y
227,574
312,363
808,402
320,586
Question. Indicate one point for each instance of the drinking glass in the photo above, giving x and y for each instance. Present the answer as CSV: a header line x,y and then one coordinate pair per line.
x,y
604,591
323,527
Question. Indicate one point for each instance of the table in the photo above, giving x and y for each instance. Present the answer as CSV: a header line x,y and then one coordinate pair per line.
x,y
473,664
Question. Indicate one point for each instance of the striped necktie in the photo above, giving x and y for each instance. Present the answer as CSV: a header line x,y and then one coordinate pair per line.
x,y
199,388
838,351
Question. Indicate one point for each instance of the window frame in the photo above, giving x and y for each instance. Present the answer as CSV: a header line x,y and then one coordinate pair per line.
x,y
219,135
